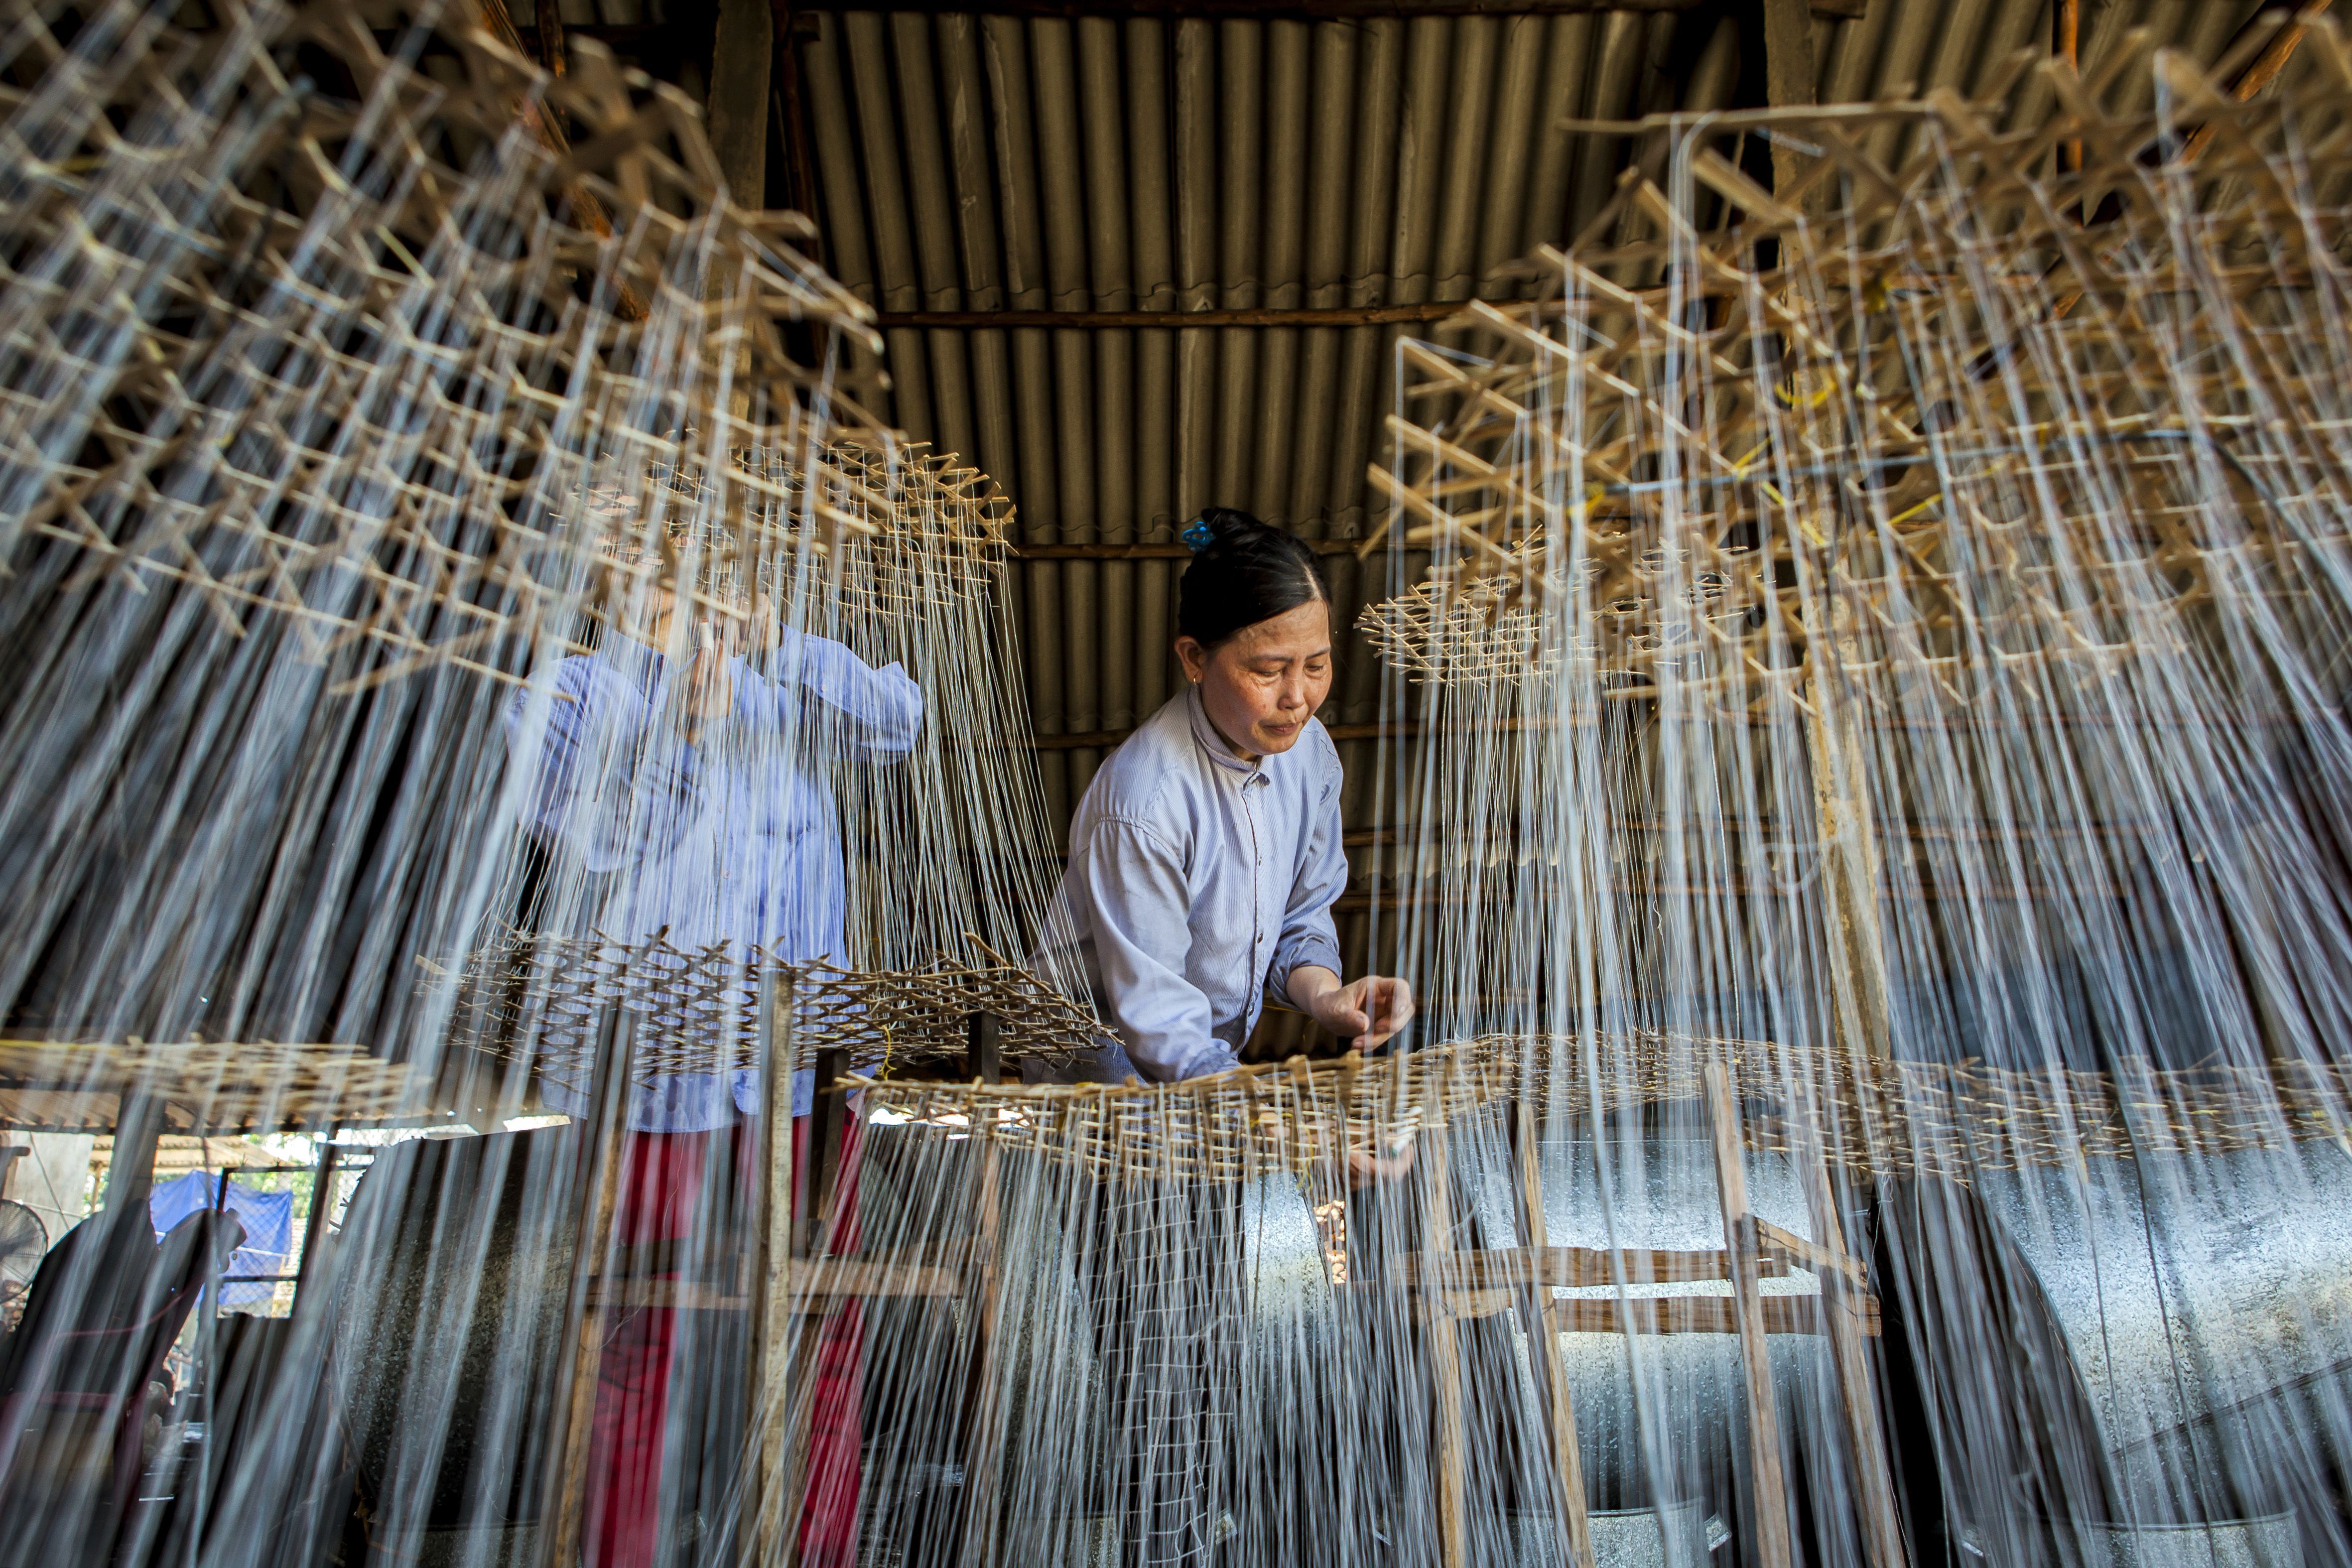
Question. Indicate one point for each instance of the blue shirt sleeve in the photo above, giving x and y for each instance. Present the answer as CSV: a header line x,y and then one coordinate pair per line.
x,y
1128,890
1308,935
615,785
879,712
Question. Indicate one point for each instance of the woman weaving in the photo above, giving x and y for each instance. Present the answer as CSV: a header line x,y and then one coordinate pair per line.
x,y
1204,860
1205,856
683,768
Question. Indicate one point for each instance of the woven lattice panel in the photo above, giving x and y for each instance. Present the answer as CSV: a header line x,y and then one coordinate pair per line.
x,y
377,366
541,1001
1926,420
1896,1117
898,532
258,1084
1882,1118
1239,1124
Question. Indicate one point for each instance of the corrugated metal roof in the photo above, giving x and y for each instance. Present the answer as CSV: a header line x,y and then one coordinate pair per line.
x,y
1017,164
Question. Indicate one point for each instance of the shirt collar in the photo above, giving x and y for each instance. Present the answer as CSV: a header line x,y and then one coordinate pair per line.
x,y
1213,743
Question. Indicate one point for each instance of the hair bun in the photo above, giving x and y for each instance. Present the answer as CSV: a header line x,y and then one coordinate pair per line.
x,y
1242,571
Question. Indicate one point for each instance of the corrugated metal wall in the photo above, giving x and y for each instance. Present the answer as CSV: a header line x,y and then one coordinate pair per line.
x,y
964,162
995,163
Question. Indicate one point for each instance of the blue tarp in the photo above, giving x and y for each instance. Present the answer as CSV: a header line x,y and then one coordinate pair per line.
x,y
267,1217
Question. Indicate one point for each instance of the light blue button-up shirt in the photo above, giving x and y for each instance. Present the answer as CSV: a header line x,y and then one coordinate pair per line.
x,y
735,840
1197,883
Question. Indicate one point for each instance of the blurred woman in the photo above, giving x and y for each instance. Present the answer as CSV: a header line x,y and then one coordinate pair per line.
x,y
682,785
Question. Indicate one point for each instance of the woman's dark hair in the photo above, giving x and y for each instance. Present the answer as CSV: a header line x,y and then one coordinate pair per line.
x,y
1242,571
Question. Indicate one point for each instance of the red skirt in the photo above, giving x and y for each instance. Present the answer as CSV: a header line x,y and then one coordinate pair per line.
x,y
661,1190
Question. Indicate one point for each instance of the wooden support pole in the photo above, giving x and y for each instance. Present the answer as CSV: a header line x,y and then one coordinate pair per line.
x,y
2261,72
1768,1492
2066,41
761,1538
131,1172
828,1125
793,134
549,41
595,1192
323,1208
741,59
818,1159
1842,818
1535,1305
1445,1360
982,1438
1843,1307
1788,78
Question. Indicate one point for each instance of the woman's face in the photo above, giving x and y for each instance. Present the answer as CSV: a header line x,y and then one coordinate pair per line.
x,y
1261,685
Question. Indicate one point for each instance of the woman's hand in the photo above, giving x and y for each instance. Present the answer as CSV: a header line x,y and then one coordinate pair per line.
x,y
1364,1012
707,695
1366,1169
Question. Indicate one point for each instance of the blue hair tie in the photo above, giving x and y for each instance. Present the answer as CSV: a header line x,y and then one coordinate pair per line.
x,y
1197,534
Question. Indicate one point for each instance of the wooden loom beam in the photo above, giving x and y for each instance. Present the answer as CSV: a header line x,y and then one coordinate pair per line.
x,y
596,1195
1445,1361
764,1530
815,1162
1844,1281
741,60
1768,1485
1552,1396
981,1418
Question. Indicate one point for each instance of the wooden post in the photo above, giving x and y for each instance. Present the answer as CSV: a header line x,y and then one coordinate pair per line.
x,y
764,1538
1850,865
792,111
828,1111
314,1229
131,1172
812,1236
1843,1303
549,17
1841,810
1543,1347
1769,1494
741,55
2067,37
1445,1356
980,1438
1787,78
596,1190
